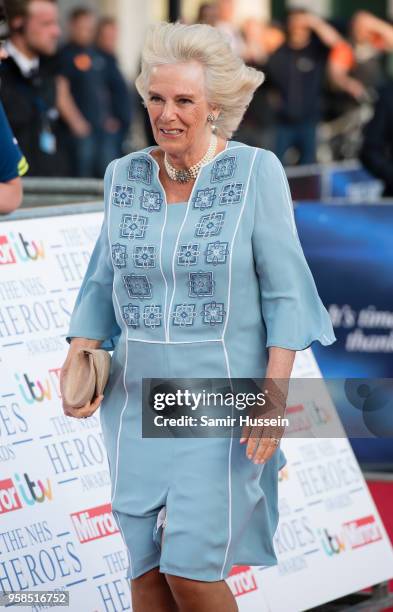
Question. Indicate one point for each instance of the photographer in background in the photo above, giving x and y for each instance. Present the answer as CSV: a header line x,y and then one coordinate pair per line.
x,y
12,163
28,85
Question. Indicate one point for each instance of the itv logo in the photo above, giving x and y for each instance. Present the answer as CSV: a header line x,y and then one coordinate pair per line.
x,y
16,249
36,390
14,491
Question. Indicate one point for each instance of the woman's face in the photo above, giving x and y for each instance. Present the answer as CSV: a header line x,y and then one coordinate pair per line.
x,y
178,108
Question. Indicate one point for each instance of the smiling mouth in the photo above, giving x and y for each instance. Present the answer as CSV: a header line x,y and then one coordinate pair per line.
x,y
173,132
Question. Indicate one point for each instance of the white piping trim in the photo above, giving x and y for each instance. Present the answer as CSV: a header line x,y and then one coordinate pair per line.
x,y
167,334
161,243
232,243
173,341
174,257
229,370
229,473
126,360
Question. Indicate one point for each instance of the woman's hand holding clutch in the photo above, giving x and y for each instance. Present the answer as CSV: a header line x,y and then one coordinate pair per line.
x,y
83,377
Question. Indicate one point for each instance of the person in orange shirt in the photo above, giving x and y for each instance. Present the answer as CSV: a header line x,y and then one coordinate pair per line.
x,y
356,68
84,98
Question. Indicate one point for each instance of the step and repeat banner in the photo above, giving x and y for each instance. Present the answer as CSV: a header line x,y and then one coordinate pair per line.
x,y
56,528
350,253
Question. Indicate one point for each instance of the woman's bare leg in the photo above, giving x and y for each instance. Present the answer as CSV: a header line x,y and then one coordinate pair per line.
x,y
198,596
151,592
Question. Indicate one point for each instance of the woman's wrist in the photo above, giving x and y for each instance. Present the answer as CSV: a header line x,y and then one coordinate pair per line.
x,y
78,343
88,342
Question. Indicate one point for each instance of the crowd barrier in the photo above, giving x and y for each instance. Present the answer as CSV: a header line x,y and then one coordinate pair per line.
x,y
339,182
57,531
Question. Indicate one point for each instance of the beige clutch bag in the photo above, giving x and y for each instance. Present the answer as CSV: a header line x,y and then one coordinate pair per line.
x,y
86,377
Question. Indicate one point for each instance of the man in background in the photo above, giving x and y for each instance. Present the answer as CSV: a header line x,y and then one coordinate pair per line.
x,y
297,71
120,98
377,150
28,87
85,99
12,163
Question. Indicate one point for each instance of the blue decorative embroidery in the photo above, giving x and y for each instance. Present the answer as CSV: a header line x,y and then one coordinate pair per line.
x,y
131,315
140,169
232,193
133,226
223,169
210,225
144,256
188,254
200,284
152,316
213,313
119,255
123,196
151,200
216,253
184,314
137,286
204,198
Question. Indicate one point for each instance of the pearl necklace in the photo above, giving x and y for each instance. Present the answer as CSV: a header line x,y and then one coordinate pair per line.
x,y
187,174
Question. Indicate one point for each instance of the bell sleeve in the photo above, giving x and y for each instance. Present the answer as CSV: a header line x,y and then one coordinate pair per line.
x,y
93,315
292,310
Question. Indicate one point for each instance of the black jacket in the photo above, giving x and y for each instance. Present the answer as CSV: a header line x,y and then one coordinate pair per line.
x,y
377,150
30,106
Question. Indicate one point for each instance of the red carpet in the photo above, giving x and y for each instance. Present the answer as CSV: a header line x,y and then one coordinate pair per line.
x,y
382,493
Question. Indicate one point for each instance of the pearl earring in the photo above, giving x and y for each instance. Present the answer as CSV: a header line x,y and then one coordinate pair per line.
x,y
211,118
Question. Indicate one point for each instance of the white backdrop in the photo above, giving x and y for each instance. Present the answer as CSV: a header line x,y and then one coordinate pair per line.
x,y
56,529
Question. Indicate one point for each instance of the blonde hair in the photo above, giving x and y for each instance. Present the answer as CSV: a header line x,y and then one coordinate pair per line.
x,y
230,84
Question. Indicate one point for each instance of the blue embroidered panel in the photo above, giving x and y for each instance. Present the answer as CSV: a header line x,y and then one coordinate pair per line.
x,y
231,194
216,252
210,225
204,198
140,169
123,196
138,286
198,293
151,200
119,255
184,315
152,316
223,169
200,284
188,254
213,313
144,256
133,226
131,315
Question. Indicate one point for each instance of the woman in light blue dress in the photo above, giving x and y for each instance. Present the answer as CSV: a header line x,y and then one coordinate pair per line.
x,y
198,272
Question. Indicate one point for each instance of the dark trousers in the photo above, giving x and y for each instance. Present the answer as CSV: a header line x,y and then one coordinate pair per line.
x,y
302,136
93,153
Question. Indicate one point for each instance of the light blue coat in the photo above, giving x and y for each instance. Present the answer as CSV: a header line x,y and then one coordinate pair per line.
x,y
199,289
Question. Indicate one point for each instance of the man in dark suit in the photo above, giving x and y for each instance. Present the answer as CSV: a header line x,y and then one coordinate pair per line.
x,y
377,150
28,85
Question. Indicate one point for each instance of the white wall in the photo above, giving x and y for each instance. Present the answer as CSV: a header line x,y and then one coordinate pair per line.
x,y
244,8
